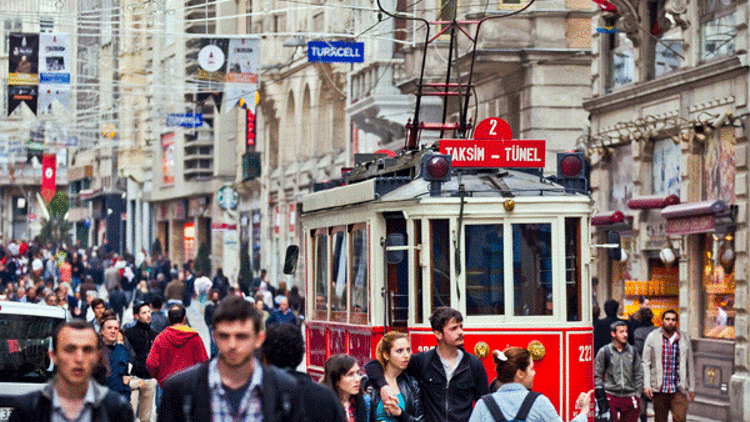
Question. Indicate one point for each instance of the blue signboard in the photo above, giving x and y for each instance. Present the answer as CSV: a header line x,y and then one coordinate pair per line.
x,y
335,51
185,120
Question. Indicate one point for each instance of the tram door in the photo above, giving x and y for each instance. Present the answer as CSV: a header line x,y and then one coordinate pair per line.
x,y
397,279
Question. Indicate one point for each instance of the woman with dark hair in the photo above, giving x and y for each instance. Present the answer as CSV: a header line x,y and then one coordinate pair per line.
x,y
514,398
394,353
342,375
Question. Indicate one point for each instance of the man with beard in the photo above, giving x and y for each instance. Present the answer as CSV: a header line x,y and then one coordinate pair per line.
x,y
668,373
233,386
451,379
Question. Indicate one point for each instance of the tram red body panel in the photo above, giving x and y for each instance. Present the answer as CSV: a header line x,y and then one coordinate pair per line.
x,y
566,366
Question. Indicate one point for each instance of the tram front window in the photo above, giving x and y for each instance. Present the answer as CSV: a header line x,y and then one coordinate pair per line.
x,y
321,276
440,264
484,270
339,273
532,269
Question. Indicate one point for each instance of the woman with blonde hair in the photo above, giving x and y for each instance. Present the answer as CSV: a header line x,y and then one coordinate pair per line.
x,y
394,353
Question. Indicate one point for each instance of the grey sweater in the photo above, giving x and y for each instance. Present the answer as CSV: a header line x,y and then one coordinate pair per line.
x,y
624,374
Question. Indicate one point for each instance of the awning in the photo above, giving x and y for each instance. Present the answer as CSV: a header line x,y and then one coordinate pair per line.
x,y
612,220
652,201
699,217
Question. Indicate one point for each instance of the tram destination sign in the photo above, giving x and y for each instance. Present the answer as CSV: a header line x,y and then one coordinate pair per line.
x,y
494,153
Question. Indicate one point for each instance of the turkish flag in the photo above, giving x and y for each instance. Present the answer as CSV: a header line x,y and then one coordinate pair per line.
x,y
49,188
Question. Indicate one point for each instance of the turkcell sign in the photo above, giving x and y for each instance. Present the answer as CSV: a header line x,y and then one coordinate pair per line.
x,y
185,120
512,153
335,51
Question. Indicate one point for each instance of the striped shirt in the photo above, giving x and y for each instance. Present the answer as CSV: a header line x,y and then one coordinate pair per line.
x,y
670,361
250,409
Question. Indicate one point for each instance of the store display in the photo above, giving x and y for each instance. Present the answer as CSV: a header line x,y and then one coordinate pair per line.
x,y
662,290
718,286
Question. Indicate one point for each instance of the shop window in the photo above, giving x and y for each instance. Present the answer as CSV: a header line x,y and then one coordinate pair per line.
x,y
360,276
440,263
321,276
339,275
665,169
718,286
532,269
484,270
718,28
573,268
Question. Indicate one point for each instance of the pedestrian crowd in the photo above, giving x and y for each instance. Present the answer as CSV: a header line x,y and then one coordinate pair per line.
x,y
638,362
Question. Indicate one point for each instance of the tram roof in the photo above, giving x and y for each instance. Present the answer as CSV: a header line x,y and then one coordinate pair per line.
x,y
502,183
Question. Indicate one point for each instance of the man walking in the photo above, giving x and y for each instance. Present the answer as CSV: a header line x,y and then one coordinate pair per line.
x,y
233,386
176,348
282,315
668,373
72,395
452,380
141,336
619,372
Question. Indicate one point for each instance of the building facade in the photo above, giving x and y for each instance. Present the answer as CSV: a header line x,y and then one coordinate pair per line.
x,y
668,147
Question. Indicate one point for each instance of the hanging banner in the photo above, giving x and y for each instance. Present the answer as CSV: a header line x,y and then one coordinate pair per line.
x,y
54,71
228,71
49,187
23,70
167,159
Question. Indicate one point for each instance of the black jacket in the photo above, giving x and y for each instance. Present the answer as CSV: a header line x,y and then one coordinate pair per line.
x,y
186,397
412,394
320,402
37,406
443,401
602,332
141,337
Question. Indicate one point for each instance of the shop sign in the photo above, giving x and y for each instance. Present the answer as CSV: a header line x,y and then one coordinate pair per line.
x,y
220,227
292,218
691,225
228,198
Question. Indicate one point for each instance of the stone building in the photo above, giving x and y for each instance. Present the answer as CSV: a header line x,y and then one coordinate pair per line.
x,y
668,145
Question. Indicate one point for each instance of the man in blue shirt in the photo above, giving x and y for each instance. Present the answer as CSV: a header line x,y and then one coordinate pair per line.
x,y
282,315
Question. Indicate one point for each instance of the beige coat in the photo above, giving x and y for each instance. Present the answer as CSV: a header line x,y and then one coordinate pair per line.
x,y
653,373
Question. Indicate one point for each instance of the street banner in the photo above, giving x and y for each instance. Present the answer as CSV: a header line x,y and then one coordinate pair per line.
x,y
23,70
49,187
167,163
228,71
335,51
187,120
54,71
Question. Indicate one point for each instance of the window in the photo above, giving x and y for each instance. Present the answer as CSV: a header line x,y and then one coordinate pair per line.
x,y
26,341
718,286
339,275
360,276
484,270
573,268
718,30
665,170
532,269
321,275
440,263
622,64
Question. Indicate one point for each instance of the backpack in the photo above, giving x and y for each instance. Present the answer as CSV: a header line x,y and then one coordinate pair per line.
x,y
523,412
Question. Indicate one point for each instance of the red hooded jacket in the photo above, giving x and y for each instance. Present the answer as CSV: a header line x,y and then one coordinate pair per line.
x,y
176,348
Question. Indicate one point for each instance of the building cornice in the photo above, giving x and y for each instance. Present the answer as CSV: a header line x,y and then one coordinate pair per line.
x,y
668,85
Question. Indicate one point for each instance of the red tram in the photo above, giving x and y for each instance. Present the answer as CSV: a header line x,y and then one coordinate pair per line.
x,y
404,235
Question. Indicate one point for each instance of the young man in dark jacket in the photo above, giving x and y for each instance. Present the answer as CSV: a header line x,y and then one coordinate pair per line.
x,y
141,337
451,379
72,394
284,348
234,383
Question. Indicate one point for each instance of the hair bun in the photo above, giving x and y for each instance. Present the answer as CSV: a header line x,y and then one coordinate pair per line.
x,y
499,356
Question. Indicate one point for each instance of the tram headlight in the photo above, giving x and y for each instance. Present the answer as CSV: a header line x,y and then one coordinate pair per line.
x,y
436,167
572,171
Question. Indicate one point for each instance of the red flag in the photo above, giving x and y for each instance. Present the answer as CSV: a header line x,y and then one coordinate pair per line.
x,y
13,346
49,188
605,5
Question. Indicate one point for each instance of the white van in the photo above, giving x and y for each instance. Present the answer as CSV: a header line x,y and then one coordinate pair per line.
x,y
25,341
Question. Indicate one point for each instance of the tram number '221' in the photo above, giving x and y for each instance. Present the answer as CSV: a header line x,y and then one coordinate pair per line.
x,y
424,348
585,355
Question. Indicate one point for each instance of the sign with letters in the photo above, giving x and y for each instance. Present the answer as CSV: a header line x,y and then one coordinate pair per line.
x,y
335,51
478,153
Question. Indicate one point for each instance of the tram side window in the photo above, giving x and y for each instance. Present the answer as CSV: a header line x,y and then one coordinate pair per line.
x,y
360,297
484,270
440,263
321,276
339,276
573,267
532,269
